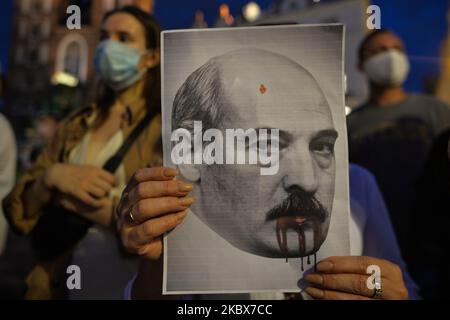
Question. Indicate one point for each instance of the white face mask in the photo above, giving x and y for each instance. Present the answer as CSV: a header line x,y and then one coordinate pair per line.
x,y
388,69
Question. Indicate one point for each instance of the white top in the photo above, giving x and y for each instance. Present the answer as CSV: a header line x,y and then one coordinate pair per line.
x,y
8,157
104,271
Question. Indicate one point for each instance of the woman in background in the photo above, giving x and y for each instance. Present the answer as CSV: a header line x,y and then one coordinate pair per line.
x,y
69,171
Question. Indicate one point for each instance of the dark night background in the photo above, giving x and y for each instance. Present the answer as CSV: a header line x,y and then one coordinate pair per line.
x,y
422,25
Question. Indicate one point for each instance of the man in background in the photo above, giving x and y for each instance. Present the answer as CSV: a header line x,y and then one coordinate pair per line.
x,y
392,132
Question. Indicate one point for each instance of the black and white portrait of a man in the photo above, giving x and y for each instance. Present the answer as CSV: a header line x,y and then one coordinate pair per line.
x,y
272,97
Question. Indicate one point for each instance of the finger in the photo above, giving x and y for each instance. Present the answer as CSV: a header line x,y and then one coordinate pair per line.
x,y
105,186
345,282
66,204
154,207
123,205
155,174
107,177
87,199
96,191
152,250
153,189
149,230
391,291
148,174
355,264
333,295
142,175
106,201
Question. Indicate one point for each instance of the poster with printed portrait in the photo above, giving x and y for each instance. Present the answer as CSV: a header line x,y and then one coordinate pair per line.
x,y
254,119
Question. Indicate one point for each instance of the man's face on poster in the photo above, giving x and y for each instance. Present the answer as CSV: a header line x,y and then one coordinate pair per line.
x,y
286,214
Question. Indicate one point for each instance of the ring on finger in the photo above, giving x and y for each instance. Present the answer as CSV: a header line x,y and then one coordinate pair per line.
x,y
378,290
131,216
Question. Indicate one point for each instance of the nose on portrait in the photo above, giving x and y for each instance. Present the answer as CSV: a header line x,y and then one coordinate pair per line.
x,y
299,171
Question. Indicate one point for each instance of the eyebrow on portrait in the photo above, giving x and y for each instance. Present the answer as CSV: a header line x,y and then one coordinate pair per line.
x,y
283,135
328,133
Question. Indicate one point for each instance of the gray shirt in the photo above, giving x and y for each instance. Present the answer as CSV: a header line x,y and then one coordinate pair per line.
x,y
393,143
435,113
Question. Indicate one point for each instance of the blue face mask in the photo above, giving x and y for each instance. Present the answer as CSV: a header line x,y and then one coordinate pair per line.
x,y
117,64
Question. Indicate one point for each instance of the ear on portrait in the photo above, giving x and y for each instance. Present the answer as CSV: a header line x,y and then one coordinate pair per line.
x,y
182,155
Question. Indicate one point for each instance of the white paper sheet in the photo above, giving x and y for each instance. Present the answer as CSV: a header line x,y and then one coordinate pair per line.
x,y
286,81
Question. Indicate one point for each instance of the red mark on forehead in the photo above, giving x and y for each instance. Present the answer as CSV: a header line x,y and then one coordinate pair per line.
x,y
262,89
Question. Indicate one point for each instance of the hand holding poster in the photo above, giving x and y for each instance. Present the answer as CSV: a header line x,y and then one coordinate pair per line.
x,y
254,118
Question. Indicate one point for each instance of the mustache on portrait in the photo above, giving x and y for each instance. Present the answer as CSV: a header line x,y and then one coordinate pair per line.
x,y
299,203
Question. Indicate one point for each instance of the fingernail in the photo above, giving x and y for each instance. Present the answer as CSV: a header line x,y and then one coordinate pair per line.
x,y
170,172
181,215
314,278
325,266
314,292
185,187
187,201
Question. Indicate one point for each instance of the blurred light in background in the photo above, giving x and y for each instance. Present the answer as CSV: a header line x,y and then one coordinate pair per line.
x,y
65,79
251,11
348,110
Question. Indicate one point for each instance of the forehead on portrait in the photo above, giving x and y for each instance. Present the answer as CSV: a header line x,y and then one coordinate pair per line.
x,y
247,74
